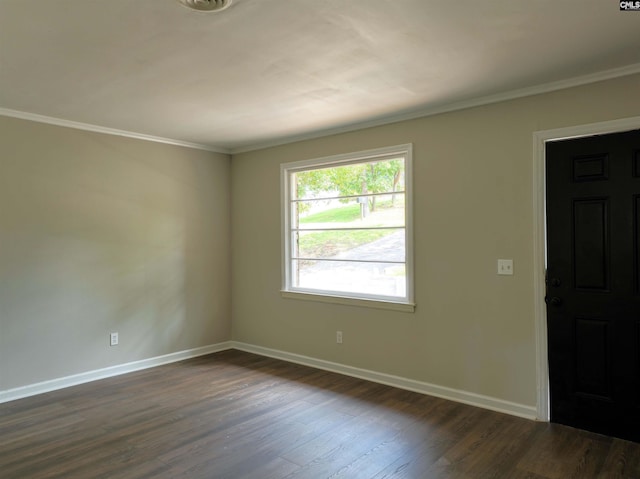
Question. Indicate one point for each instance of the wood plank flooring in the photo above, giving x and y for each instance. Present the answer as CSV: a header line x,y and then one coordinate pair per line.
x,y
238,415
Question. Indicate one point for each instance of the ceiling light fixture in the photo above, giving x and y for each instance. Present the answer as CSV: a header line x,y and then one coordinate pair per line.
x,y
206,5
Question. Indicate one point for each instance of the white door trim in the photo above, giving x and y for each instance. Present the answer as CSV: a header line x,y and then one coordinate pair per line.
x,y
539,240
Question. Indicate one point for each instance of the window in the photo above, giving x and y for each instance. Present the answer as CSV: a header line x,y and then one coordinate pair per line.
x,y
347,228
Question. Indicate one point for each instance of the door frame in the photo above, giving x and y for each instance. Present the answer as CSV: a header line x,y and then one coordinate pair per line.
x,y
540,138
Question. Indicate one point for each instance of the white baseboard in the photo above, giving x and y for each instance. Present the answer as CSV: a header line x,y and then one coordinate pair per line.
x,y
465,397
65,382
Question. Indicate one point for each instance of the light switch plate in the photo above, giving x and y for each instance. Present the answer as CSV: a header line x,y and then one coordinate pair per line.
x,y
505,266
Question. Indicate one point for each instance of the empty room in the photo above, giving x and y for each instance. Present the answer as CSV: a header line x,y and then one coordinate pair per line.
x,y
318,239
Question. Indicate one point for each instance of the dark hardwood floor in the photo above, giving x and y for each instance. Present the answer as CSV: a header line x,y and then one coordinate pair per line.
x,y
238,415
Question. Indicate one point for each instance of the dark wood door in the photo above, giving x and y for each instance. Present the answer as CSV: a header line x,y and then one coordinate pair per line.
x,y
593,287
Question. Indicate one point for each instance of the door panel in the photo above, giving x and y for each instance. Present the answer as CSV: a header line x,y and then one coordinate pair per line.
x,y
638,365
592,353
636,244
593,282
591,168
591,244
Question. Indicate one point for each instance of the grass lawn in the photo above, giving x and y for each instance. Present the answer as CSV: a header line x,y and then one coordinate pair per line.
x,y
324,244
342,214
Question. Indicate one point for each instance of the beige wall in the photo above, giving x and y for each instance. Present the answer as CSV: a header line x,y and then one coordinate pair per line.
x,y
100,233
472,329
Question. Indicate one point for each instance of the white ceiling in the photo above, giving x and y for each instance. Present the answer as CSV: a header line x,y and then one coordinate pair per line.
x,y
268,71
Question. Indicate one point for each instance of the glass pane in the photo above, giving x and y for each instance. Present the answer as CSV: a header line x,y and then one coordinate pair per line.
x,y
362,212
368,245
366,278
384,176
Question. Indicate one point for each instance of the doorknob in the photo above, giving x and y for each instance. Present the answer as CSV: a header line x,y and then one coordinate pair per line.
x,y
553,300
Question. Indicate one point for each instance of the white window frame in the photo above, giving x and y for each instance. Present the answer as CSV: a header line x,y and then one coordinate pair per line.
x,y
354,299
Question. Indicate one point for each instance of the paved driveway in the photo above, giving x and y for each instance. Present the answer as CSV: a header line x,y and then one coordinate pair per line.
x,y
371,278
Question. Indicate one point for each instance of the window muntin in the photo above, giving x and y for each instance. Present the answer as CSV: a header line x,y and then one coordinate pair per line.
x,y
346,226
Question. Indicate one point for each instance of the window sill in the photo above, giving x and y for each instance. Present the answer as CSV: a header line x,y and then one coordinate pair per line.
x,y
367,303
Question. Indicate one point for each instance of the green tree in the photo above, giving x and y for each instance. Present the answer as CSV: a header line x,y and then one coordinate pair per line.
x,y
352,180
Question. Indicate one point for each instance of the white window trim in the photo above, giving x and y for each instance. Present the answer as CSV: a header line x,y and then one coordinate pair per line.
x,y
287,291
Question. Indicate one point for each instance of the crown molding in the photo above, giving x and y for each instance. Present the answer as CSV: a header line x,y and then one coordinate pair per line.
x,y
450,107
385,120
107,131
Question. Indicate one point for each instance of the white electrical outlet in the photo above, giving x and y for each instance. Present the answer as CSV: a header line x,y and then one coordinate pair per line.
x,y
339,337
114,339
